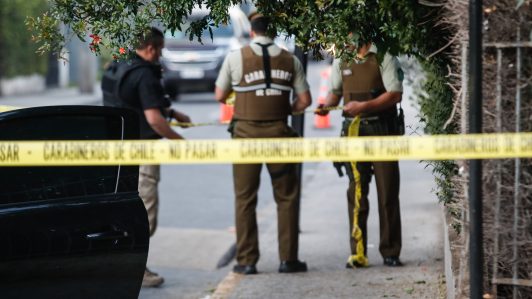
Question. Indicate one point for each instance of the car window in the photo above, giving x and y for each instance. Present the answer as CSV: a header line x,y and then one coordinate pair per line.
x,y
22,184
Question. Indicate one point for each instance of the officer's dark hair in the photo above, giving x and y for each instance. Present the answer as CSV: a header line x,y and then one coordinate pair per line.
x,y
152,37
260,25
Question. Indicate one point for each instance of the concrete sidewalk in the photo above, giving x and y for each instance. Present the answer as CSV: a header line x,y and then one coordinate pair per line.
x,y
324,245
187,259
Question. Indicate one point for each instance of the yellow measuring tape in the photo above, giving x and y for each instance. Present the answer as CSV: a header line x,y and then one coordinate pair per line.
x,y
188,125
358,259
274,150
174,123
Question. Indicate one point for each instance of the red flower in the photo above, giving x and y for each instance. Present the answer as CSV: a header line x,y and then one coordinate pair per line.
x,y
96,39
122,51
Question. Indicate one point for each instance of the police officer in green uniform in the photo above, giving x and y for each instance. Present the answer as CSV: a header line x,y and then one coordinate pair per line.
x,y
371,90
262,75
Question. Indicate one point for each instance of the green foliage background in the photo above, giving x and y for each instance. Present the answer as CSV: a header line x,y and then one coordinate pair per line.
x,y
396,26
17,50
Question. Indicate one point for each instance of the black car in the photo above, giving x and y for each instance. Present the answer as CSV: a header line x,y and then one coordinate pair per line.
x,y
75,231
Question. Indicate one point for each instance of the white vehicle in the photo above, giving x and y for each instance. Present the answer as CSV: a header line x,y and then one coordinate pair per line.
x,y
194,66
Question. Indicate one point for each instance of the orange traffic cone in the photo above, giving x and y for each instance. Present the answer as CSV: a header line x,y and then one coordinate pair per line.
x,y
226,113
323,121
226,110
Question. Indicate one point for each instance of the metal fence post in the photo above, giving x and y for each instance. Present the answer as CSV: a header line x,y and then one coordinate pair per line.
x,y
475,166
517,173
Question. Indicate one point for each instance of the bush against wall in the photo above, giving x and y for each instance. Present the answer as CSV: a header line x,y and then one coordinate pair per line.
x,y
17,50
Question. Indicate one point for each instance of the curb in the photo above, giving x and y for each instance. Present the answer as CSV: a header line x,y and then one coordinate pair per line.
x,y
448,258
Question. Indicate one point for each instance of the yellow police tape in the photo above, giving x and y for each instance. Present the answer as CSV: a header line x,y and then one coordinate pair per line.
x,y
275,150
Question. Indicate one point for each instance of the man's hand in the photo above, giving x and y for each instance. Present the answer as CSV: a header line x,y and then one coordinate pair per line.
x,y
320,111
332,100
355,108
181,117
378,104
303,100
221,95
158,123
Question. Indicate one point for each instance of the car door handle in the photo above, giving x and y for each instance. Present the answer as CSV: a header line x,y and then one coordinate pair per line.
x,y
108,235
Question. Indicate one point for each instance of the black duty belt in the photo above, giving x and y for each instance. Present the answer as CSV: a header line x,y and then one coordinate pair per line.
x,y
367,119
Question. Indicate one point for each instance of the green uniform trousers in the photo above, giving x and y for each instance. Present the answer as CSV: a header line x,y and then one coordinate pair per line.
x,y
387,180
246,178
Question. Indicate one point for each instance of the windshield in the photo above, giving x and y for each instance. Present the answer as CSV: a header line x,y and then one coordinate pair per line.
x,y
217,32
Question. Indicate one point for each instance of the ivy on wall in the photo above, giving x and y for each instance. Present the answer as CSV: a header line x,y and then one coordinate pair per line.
x,y
436,105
